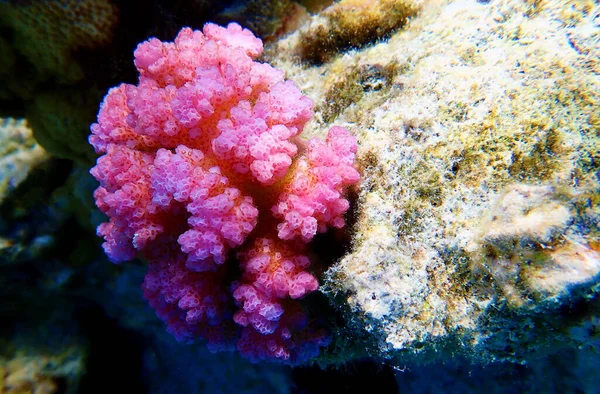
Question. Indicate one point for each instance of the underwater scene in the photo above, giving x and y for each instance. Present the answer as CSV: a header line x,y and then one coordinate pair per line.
x,y
299,196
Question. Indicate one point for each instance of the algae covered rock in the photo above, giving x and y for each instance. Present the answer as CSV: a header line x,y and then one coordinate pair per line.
x,y
19,154
41,372
352,24
61,122
47,33
533,242
45,354
477,221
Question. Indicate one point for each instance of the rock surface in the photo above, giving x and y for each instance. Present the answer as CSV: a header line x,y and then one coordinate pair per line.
x,y
477,219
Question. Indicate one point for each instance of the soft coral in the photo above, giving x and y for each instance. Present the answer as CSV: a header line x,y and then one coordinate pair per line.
x,y
201,157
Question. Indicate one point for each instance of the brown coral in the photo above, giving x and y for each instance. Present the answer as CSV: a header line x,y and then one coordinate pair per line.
x,y
266,19
353,24
60,121
48,32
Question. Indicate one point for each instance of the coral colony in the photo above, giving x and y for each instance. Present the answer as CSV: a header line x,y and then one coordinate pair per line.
x,y
202,158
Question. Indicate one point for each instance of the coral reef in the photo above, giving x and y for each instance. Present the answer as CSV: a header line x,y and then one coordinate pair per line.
x,y
50,261
168,365
474,244
478,216
200,158
60,56
47,53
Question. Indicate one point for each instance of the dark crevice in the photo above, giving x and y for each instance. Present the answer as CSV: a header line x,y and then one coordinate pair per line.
x,y
115,359
362,376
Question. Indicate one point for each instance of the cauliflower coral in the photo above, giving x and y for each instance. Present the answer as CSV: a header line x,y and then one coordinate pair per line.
x,y
203,175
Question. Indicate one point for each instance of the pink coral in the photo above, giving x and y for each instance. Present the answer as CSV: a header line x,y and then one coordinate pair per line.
x,y
201,157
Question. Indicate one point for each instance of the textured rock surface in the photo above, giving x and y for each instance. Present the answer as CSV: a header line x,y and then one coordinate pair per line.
x,y
42,359
19,154
477,219
475,231
40,373
48,32
352,24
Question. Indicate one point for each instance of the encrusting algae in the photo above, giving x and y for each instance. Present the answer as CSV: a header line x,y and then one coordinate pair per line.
x,y
479,201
